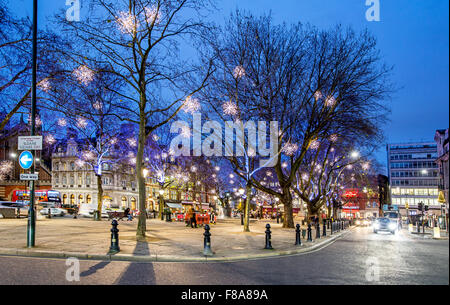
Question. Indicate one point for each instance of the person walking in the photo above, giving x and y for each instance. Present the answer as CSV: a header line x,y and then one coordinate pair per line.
x,y
193,220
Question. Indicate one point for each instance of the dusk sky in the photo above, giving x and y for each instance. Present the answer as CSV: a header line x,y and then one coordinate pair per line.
x,y
412,36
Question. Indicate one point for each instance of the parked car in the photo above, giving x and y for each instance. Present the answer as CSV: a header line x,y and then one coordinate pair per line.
x,y
54,212
385,225
21,209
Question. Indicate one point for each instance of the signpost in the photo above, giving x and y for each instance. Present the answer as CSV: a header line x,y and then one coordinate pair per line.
x,y
30,143
26,160
29,177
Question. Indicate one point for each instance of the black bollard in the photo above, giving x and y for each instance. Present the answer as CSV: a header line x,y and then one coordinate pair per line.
x,y
49,213
318,231
268,238
331,228
324,233
298,240
328,223
242,219
418,226
207,242
309,232
114,248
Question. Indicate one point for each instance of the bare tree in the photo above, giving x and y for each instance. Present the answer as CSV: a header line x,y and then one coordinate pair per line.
x,y
315,84
138,41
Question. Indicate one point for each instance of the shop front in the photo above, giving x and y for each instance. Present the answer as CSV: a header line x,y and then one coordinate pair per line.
x,y
351,210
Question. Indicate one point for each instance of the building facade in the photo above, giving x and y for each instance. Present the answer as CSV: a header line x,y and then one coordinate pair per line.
x,y
413,176
78,184
441,139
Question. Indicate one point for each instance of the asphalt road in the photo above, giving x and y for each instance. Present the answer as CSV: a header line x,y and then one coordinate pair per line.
x,y
359,258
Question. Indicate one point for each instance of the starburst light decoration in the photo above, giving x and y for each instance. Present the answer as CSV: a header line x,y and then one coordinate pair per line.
x,y
314,144
44,85
62,122
239,72
81,123
191,105
318,95
330,101
152,14
289,149
128,23
49,139
230,108
84,75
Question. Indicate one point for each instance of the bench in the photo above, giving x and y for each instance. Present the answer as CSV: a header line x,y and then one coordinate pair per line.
x,y
116,215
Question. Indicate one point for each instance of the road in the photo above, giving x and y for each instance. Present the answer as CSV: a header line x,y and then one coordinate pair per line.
x,y
399,259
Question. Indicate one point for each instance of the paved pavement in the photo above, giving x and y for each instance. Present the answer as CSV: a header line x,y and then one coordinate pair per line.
x,y
84,238
400,259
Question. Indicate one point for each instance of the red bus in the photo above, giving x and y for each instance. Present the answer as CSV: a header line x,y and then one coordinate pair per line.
x,y
40,196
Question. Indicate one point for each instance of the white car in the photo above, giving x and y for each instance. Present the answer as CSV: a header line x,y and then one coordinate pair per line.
x,y
54,212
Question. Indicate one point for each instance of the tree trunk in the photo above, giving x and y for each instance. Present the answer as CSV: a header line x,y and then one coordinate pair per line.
x,y
99,197
247,208
142,223
288,221
161,207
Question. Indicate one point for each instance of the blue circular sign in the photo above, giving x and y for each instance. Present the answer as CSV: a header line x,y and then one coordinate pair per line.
x,y
26,160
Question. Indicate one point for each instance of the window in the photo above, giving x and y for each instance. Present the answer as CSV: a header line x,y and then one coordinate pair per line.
x,y
72,199
88,179
88,199
80,199
72,179
80,179
72,166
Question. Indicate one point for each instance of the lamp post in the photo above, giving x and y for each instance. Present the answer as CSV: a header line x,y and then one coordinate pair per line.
x,y
31,225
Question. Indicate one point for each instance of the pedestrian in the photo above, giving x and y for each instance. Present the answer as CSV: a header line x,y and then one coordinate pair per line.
x,y
212,217
193,219
127,214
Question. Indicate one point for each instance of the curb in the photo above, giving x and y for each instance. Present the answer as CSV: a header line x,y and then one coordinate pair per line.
x,y
172,258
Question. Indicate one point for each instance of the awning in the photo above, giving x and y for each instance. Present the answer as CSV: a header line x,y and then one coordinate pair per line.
x,y
174,205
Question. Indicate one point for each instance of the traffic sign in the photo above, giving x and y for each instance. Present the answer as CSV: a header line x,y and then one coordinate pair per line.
x,y
29,177
26,160
30,143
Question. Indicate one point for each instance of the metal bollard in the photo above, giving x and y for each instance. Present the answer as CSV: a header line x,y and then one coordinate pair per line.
x,y
268,238
418,226
318,231
324,233
207,242
298,240
309,232
328,223
49,213
331,228
114,248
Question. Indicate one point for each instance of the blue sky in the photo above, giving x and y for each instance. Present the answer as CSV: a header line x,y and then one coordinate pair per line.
x,y
412,35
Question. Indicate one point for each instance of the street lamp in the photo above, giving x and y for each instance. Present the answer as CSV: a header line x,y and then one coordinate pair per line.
x,y
355,154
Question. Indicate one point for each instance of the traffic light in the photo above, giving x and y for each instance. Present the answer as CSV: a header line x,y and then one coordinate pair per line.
x,y
420,206
426,208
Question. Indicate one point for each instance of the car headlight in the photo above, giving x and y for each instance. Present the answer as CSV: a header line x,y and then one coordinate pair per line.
x,y
392,226
376,225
